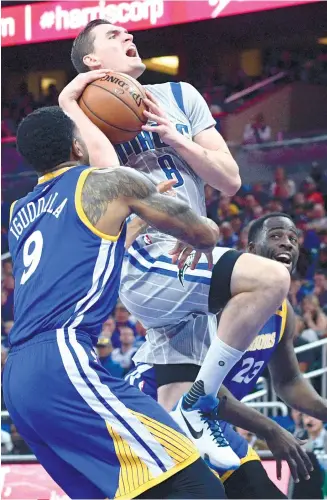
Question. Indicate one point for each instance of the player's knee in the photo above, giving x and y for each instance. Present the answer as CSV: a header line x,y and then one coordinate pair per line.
x,y
278,280
257,274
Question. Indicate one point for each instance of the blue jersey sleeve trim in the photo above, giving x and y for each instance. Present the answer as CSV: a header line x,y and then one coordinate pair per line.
x,y
176,89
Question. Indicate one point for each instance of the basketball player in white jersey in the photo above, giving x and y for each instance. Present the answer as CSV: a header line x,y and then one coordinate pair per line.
x,y
178,306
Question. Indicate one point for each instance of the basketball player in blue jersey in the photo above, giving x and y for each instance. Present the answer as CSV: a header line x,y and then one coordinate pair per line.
x,y
97,436
273,236
178,308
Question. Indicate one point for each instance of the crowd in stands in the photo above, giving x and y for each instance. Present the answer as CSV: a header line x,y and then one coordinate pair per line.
x,y
307,67
14,110
299,66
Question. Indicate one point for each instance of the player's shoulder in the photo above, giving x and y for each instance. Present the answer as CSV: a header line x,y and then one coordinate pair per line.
x,y
168,86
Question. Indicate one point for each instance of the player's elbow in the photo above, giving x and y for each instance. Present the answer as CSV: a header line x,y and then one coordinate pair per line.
x,y
233,185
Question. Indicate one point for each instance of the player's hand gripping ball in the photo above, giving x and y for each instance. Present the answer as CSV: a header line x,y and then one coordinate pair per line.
x,y
115,104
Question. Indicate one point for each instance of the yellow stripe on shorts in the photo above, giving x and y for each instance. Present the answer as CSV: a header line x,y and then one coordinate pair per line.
x,y
177,446
133,472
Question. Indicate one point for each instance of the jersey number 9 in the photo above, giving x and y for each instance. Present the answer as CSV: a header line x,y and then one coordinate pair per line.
x,y
32,252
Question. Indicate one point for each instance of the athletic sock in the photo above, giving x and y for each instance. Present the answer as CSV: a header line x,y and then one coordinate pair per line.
x,y
219,360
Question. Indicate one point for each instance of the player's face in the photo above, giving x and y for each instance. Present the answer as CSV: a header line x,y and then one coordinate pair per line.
x,y
279,241
114,49
312,424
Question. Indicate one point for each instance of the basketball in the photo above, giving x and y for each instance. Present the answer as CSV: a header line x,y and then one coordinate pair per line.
x,y
115,104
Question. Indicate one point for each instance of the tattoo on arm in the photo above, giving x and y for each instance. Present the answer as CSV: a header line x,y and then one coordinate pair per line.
x,y
167,214
104,186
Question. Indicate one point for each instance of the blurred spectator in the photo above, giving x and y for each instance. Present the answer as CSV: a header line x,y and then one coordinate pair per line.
x,y
6,327
6,443
123,354
311,192
104,350
298,429
306,358
51,99
8,126
122,318
307,334
236,223
257,212
243,239
322,262
318,218
320,286
19,445
257,131
313,315
283,187
252,439
4,355
260,194
248,208
140,335
317,439
226,208
227,237
7,267
24,102
275,205
296,292
212,200
108,327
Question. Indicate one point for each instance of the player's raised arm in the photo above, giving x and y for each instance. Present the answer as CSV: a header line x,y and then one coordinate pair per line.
x,y
110,196
101,151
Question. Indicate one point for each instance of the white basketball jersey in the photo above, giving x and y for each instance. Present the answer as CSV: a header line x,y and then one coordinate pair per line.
x,y
174,312
189,113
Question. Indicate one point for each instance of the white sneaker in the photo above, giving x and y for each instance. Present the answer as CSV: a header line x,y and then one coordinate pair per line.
x,y
200,424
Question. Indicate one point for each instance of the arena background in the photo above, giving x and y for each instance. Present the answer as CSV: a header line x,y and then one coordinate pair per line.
x,y
262,67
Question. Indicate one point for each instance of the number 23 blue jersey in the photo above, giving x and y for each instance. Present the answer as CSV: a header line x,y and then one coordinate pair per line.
x,y
67,273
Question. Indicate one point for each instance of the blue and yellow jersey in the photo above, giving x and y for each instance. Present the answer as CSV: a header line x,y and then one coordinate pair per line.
x,y
244,375
67,273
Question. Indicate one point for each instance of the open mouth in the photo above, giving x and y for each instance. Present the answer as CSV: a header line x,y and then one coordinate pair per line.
x,y
132,52
284,258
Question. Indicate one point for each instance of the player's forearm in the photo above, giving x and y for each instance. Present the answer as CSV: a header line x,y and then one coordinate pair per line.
x,y
299,394
174,217
134,228
217,168
101,152
239,414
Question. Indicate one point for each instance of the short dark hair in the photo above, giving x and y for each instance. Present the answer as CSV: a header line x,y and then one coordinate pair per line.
x,y
257,225
84,44
45,137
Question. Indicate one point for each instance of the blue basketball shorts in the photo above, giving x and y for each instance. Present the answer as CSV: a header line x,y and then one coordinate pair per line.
x,y
96,436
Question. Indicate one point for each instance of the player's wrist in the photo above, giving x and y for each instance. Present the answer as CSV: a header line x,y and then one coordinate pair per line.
x,y
179,142
268,430
68,105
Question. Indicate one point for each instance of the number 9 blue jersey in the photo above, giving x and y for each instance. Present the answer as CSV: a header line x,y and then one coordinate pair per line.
x,y
67,273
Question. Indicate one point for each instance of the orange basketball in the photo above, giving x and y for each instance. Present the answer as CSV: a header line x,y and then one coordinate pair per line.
x,y
115,104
